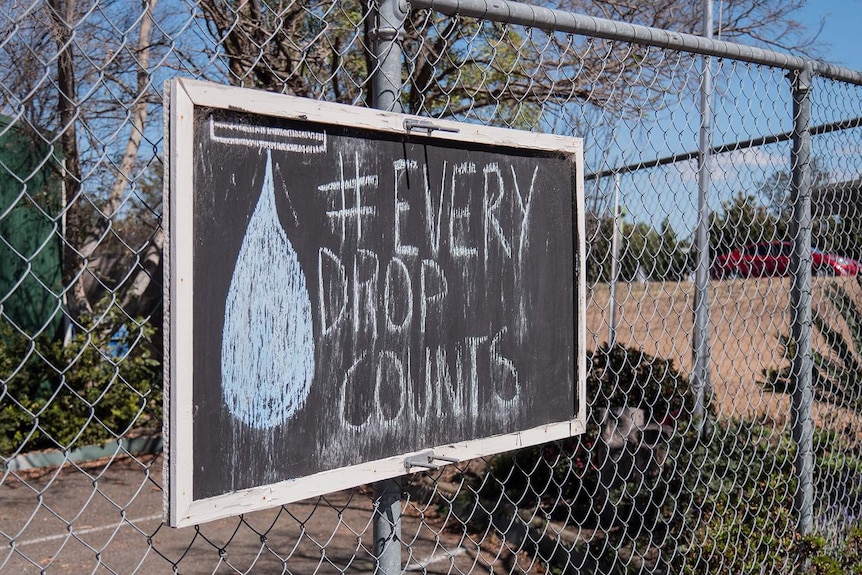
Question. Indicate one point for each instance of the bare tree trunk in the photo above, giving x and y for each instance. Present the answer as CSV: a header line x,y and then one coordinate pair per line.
x,y
82,258
143,297
62,14
139,119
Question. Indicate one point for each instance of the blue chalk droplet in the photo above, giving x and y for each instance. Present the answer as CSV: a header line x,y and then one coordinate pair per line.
x,y
267,358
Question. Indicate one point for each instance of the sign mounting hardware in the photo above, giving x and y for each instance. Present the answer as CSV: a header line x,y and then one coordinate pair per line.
x,y
426,459
411,124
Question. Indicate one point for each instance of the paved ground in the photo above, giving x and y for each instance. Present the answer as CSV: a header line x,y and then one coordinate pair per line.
x,y
333,535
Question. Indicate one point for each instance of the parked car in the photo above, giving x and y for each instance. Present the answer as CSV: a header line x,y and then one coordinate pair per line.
x,y
773,259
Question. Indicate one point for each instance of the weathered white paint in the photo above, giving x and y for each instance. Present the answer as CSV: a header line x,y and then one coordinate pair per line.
x,y
178,298
275,105
267,358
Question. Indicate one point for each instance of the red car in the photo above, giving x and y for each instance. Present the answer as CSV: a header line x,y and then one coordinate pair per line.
x,y
773,259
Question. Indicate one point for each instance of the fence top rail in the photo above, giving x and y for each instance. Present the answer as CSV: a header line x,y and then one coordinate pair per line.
x,y
523,14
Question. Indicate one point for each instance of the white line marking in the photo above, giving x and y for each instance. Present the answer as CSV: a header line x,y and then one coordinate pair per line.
x,y
67,534
349,184
436,557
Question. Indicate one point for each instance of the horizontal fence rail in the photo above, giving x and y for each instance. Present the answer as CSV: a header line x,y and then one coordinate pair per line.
x,y
559,21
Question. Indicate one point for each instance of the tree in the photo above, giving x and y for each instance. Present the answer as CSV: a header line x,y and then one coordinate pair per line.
x,y
656,253
775,193
94,102
76,80
742,221
84,78
766,23
464,67
835,227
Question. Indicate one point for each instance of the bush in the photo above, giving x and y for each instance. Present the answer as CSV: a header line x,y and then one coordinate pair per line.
x,y
565,477
722,502
628,377
743,516
103,384
745,519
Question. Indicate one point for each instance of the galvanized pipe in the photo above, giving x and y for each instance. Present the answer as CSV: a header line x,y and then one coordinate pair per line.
x,y
386,93
386,35
802,361
387,527
700,338
549,19
818,130
615,267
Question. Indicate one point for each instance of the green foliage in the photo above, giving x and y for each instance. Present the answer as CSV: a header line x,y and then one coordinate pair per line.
x,y
721,502
102,385
658,253
766,216
744,517
627,377
742,221
846,561
837,370
486,69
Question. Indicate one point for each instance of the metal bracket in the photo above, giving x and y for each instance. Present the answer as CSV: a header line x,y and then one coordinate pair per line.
x,y
426,459
411,124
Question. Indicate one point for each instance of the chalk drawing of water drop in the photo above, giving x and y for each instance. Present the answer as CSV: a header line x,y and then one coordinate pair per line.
x,y
267,358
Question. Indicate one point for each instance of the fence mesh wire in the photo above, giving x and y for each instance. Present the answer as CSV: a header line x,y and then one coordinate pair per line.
x,y
649,487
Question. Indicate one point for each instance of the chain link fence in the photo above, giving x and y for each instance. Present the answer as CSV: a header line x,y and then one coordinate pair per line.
x,y
750,464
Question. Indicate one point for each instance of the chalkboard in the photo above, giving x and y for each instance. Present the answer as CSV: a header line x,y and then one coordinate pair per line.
x,y
349,287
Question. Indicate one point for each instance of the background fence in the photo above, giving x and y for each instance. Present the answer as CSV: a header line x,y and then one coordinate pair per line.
x,y
723,434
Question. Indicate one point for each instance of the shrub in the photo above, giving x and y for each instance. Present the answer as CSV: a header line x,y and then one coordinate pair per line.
x,y
565,478
745,520
101,385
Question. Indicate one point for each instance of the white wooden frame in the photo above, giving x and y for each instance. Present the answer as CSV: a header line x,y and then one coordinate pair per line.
x,y
182,96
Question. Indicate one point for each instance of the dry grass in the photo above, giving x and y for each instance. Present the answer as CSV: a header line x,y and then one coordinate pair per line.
x,y
747,317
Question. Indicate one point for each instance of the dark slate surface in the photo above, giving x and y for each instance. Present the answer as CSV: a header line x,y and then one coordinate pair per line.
x,y
458,321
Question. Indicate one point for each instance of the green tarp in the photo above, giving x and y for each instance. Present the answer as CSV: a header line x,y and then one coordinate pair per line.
x,y
30,233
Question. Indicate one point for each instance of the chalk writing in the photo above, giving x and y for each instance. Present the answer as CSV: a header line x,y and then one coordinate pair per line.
x,y
357,210
363,293
267,137
410,294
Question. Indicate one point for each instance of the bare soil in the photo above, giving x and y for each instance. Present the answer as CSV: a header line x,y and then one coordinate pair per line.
x,y
747,317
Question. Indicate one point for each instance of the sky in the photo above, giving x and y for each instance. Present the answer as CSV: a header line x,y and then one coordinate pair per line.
x,y
842,29
738,119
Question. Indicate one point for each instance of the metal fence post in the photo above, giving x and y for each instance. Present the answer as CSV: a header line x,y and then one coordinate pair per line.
x,y
387,527
386,35
700,347
615,266
386,89
800,299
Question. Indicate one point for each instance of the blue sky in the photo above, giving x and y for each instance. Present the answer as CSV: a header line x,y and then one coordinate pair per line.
x,y
843,19
765,110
